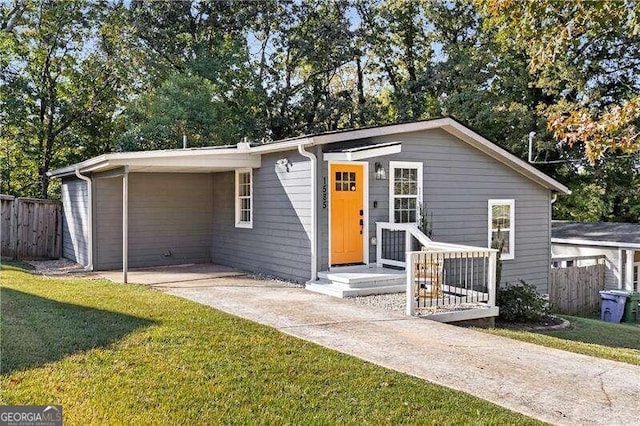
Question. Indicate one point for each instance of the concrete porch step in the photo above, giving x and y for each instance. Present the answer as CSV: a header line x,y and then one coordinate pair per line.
x,y
360,280
343,290
363,276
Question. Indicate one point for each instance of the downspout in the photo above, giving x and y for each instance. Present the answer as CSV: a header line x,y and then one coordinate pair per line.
x,y
89,267
314,213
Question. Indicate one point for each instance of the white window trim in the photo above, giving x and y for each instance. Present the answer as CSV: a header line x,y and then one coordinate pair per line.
x,y
512,231
403,165
240,223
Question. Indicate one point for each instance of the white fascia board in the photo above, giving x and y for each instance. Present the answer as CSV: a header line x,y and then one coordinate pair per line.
x,y
213,161
381,131
82,166
579,242
363,154
162,158
286,145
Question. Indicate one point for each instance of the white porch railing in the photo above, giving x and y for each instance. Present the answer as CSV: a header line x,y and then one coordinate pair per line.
x,y
395,240
438,274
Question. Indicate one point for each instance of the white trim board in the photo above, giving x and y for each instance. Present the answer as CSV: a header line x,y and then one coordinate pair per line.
x,y
364,153
579,242
512,225
239,223
420,180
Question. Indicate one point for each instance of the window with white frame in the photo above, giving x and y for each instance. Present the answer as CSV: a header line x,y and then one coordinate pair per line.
x,y
244,198
405,191
502,226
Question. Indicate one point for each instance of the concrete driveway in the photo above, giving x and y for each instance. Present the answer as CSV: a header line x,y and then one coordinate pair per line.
x,y
552,385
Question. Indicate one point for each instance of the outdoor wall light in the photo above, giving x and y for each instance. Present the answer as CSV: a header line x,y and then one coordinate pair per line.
x,y
283,164
374,241
381,173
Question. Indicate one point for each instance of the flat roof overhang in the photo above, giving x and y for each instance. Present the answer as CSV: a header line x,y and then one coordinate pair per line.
x,y
203,163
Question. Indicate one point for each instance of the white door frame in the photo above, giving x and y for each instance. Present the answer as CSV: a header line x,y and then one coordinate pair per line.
x,y
365,206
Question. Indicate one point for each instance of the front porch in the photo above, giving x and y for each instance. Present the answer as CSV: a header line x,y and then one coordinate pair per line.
x,y
441,281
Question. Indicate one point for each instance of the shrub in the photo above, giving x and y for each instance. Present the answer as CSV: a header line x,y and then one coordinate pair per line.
x,y
521,303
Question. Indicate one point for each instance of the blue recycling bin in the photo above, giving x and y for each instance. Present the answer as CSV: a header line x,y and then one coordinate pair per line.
x,y
612,305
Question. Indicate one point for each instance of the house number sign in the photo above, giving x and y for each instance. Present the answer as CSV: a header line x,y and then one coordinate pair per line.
x,y
324,193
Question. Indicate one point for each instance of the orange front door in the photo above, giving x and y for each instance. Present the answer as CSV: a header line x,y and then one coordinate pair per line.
x,y
347,214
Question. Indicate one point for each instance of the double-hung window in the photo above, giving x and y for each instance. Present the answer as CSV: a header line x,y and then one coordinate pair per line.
x,y
405,191
502,226
244,198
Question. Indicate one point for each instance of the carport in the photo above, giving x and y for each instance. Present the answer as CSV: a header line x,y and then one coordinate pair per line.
x,y
139,200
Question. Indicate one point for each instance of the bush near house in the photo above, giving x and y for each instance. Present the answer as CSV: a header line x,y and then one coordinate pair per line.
x,y
521,303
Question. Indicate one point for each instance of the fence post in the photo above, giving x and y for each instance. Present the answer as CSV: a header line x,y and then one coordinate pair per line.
x,y
13,239
491,279
58,240
411,273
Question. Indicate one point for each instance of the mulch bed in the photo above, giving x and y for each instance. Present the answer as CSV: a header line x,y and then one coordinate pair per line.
x,y
546,323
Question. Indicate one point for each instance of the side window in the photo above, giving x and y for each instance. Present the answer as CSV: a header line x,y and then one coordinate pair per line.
x,y
405,191
244,198
502,226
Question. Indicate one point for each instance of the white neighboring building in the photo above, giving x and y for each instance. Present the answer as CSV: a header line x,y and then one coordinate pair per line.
x,y
619,242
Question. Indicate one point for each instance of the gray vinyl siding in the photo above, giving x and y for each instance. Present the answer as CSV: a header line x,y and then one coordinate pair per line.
x,y
75,211
279,242
458,181
169,213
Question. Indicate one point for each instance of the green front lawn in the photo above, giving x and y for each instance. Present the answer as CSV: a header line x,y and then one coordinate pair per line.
x,y
113,353
618,342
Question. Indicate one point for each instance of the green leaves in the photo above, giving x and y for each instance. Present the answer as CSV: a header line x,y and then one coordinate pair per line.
x,y
585,54
182,105
82,77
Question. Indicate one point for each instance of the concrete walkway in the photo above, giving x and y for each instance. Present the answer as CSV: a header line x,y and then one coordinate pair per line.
x,y
552,385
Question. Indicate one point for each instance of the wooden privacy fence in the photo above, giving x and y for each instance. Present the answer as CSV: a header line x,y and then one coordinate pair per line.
x,y
30,228
575,289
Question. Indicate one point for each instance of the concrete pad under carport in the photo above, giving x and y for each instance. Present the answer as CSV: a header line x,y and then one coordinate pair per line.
x,y
549,384
188,275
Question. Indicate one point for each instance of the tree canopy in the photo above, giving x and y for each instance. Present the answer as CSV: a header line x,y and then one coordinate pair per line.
x,y
84,77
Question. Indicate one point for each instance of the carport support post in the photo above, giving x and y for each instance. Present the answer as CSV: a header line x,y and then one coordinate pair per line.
x,y
125,224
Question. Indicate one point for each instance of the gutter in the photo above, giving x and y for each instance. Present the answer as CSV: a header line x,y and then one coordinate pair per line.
x,y
89,267
314,213
580,242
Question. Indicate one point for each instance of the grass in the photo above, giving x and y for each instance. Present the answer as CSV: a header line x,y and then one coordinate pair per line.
x,y
111,353
617,342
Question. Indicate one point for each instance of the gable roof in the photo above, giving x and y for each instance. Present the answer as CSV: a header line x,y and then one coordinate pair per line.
x,y
113,160
608,234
